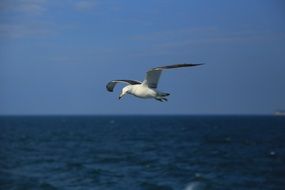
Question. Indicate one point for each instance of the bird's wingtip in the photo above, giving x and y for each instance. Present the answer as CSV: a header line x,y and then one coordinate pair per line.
x,y
194,64
109,87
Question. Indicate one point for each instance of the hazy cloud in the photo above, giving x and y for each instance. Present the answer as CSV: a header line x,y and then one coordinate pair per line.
x,y
85,5
33,6
24,6
181,40
18,30
203,36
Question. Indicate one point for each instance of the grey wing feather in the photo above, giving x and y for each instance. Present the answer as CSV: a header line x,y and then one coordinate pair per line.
x,y
153,75
111,85
152,78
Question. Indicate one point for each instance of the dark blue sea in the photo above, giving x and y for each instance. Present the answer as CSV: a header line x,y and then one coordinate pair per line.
x,y
142,153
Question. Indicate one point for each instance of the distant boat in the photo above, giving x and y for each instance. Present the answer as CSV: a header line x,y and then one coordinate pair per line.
x,y
280,113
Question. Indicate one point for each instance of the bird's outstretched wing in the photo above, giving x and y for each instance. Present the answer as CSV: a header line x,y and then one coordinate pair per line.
x,y
111,85
153,75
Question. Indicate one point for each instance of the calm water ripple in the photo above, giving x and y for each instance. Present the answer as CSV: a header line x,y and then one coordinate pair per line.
x,y
142,153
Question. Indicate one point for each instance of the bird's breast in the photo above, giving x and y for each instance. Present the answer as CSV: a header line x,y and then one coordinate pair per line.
x,y
143,92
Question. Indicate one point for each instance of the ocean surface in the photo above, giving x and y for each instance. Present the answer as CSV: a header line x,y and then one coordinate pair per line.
x,y
142,153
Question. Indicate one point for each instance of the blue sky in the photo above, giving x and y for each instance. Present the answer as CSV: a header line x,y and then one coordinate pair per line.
x,y
57,56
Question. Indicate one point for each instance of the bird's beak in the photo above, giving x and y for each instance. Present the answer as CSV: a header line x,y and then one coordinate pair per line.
x,y
122,94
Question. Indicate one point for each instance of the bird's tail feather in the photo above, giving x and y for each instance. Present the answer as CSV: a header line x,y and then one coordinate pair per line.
x,y
163,94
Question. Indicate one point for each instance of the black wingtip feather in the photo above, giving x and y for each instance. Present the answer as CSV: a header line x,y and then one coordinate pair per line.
x,y
110,89
179,65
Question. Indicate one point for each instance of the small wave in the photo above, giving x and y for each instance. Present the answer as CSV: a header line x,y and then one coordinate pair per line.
x,y
74,166
154,186
195,186
15,181
98,173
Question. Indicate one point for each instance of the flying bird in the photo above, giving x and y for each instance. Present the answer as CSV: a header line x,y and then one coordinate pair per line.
x,y
147,88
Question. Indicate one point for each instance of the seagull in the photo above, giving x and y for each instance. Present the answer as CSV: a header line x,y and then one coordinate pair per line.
x,y
147,88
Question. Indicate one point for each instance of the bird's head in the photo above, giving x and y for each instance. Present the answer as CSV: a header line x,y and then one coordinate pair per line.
x,y
125,90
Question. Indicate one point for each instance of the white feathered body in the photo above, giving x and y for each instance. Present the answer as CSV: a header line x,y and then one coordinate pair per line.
x,y
142,91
